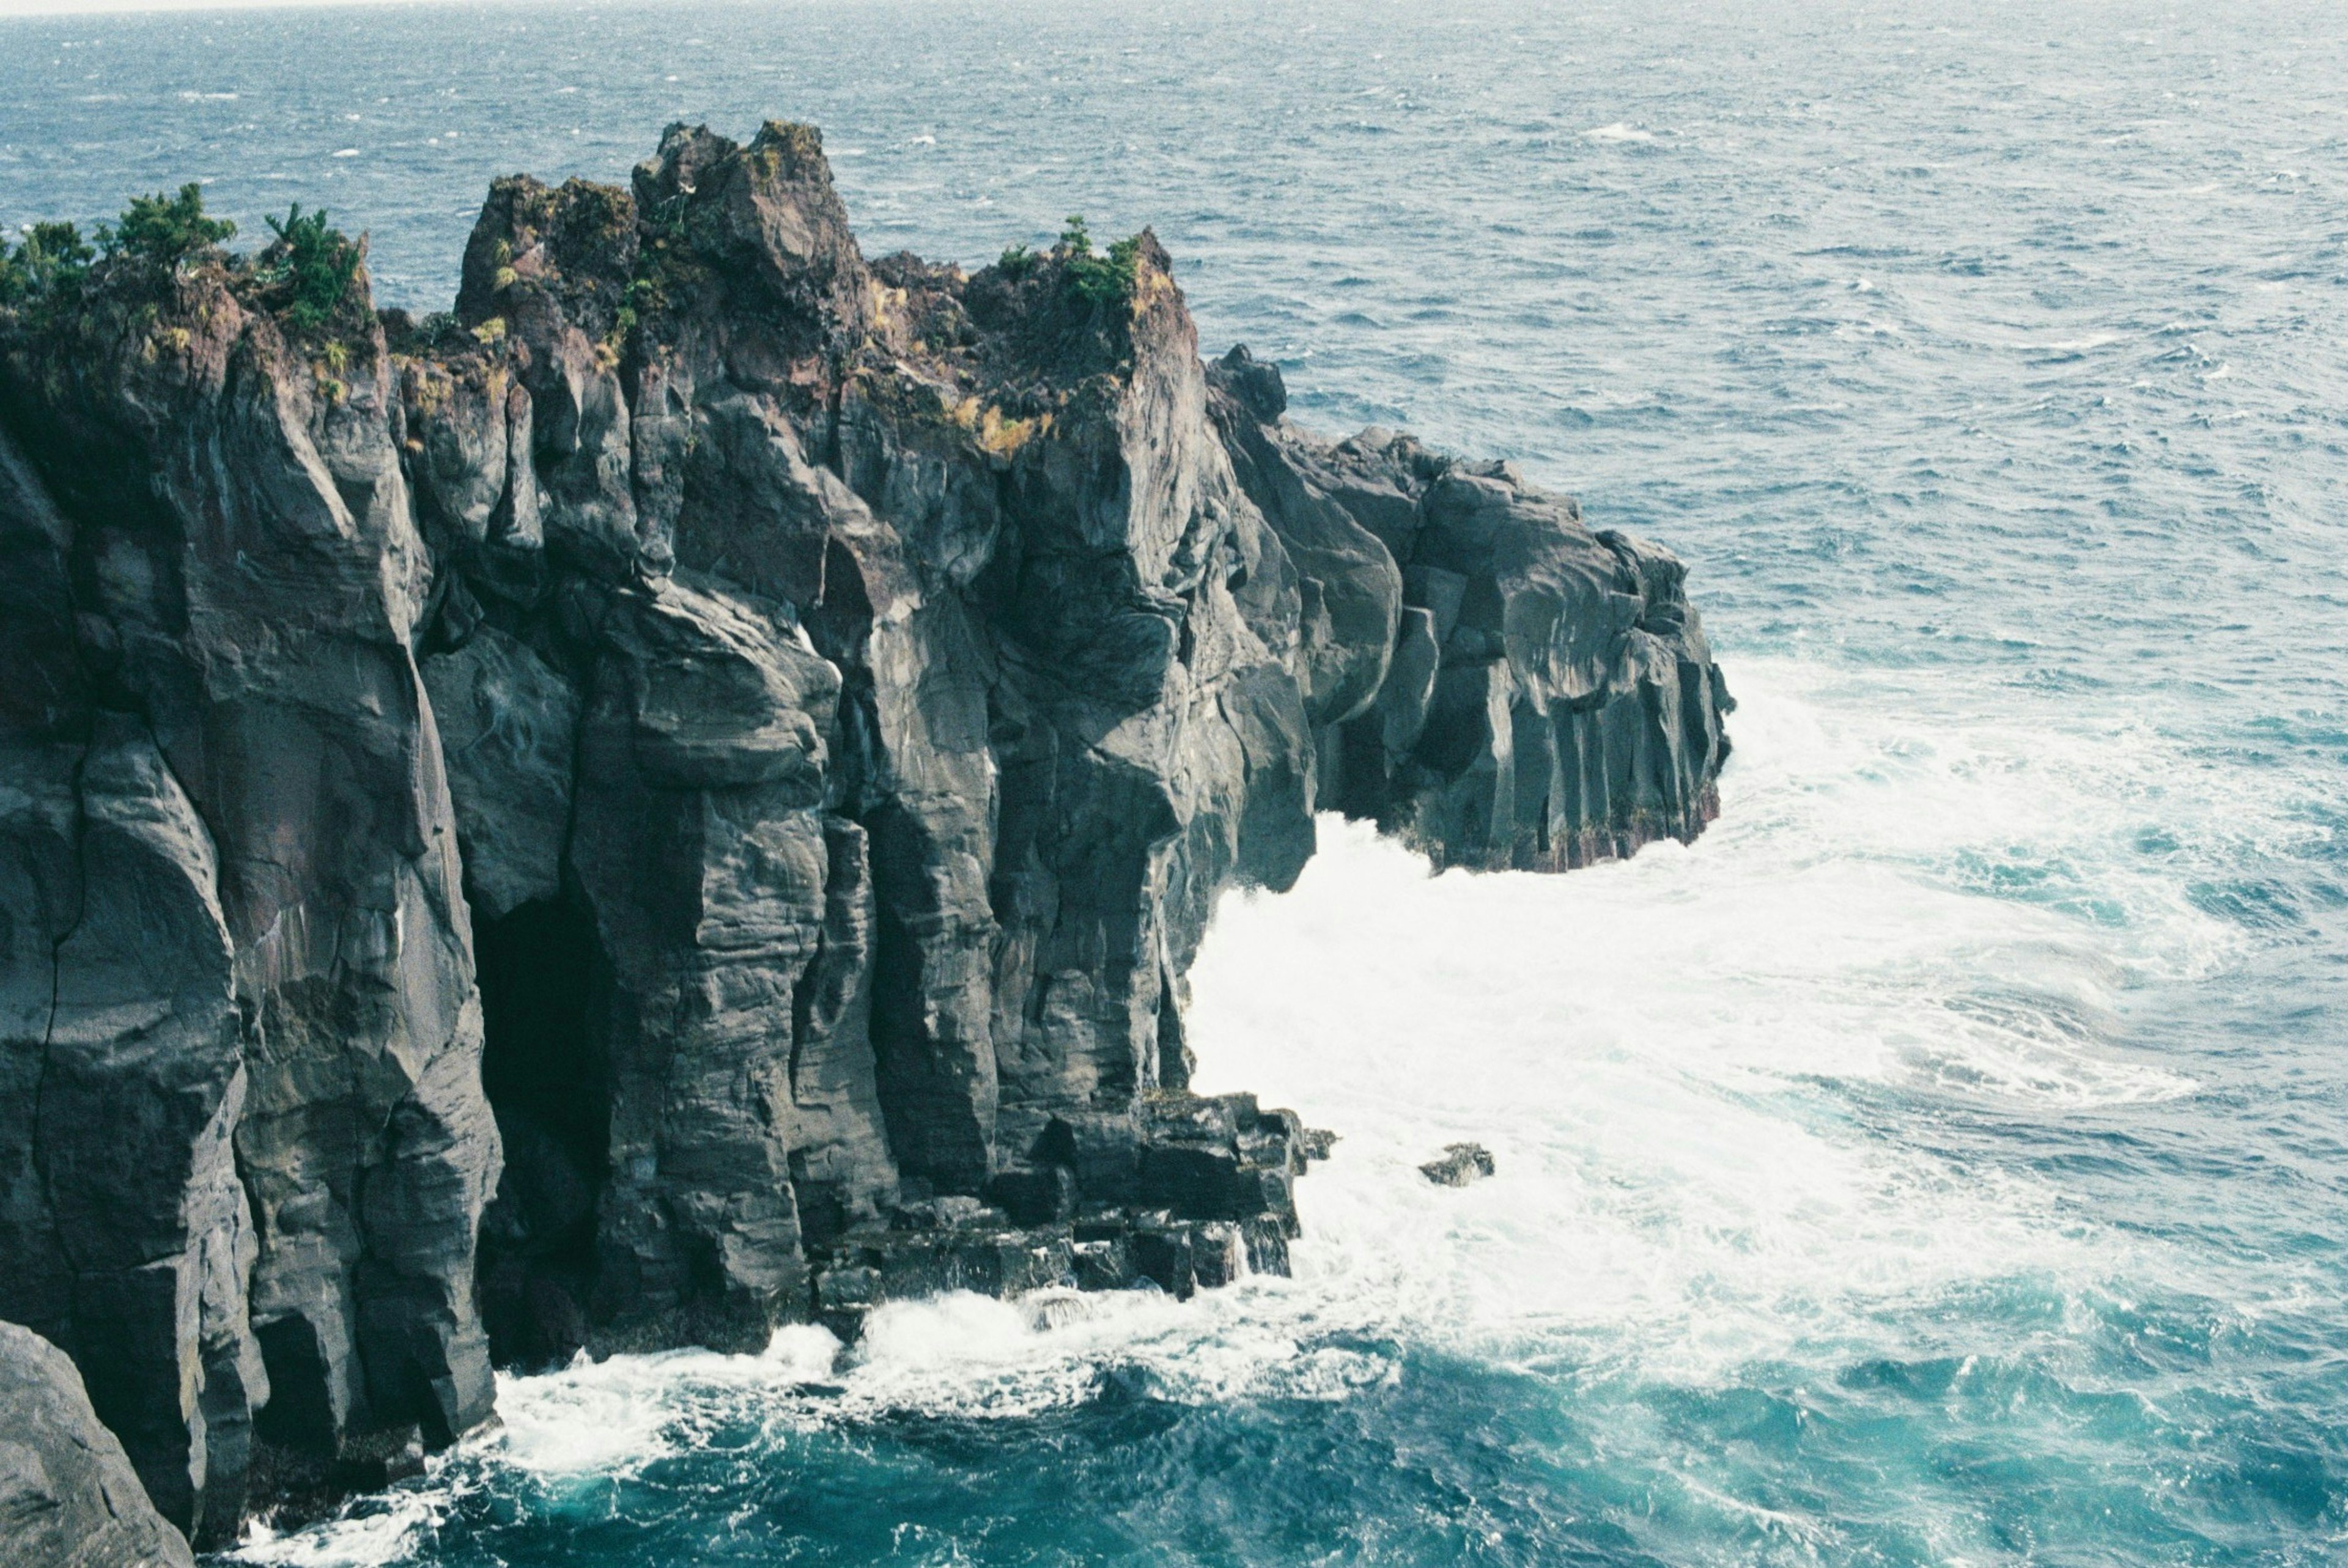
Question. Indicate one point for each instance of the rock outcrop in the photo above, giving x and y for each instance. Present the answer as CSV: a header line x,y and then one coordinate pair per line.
x,y
1523,692
68,1497
682,796
1459,1165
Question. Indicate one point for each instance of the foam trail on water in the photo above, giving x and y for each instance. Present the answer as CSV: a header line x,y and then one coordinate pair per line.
x,y
1659,1052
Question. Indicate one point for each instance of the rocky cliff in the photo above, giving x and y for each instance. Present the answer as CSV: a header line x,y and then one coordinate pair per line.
x,y
682,795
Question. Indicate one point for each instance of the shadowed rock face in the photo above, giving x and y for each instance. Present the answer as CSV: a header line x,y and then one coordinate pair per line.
x,y
683,796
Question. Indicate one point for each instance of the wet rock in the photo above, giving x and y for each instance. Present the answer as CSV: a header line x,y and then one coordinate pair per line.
x,y
1103,1263
296,1485
868,1268
1459,1164
68,1493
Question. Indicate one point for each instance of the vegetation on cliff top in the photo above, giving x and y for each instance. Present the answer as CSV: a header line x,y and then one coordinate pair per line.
x,y
304,274
314,262
1093,277
166,229
53,258
162,231
1101,280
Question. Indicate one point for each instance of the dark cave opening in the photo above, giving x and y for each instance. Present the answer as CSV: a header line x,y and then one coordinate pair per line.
x,y
548,1078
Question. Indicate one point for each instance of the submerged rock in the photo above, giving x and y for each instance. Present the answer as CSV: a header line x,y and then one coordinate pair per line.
x,y
683,796
1459,1164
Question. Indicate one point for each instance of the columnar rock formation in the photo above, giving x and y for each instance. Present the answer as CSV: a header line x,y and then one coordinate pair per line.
x,y
682,796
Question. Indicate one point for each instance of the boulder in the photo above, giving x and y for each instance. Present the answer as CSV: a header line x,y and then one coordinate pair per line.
x,y
1459,1164
68,1496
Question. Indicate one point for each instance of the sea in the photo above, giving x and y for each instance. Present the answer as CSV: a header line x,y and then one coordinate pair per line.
x,y
1943,1160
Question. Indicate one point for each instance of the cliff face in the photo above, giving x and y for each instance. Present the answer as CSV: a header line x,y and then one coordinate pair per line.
x,y
682,796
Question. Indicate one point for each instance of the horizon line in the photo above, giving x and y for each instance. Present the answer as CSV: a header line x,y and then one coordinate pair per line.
x,y
36,10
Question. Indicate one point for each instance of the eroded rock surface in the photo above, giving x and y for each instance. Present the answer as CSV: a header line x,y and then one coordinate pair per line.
x,y
682,796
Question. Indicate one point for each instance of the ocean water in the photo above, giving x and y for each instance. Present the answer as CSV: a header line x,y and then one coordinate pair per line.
x,y
1945,1161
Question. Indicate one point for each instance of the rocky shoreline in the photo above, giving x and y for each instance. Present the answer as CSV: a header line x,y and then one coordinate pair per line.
x,y
680,797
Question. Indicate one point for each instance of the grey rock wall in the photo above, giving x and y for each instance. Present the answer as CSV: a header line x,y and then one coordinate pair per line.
x,y
682,797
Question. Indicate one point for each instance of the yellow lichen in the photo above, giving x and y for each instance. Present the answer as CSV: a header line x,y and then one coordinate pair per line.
x,y
1149,286
427,390
781,141
492,330
1003,437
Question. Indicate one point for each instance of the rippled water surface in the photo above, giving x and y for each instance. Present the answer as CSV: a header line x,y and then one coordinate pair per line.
x,y
1946,1160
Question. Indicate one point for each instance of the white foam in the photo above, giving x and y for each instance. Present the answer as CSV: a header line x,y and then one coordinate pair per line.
x,y
591,1418
1651,1047
1617,132
372,1541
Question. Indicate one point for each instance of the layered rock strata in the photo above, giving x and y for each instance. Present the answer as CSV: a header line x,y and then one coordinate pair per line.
x,y
682,797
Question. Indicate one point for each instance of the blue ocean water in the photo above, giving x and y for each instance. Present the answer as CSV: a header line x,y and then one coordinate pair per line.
x,y
1943,1162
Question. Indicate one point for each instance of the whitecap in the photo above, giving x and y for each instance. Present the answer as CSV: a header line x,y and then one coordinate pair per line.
x,y
390,1533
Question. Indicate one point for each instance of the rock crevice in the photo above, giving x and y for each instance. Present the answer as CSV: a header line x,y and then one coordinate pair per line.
x,y
682,797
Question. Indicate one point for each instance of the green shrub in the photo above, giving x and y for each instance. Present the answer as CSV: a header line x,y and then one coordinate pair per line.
x,y
52,256
1016,261
318,261
1100,280
165,229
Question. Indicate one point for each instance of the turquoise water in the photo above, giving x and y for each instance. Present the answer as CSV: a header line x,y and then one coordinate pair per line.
x,y
1946,1160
